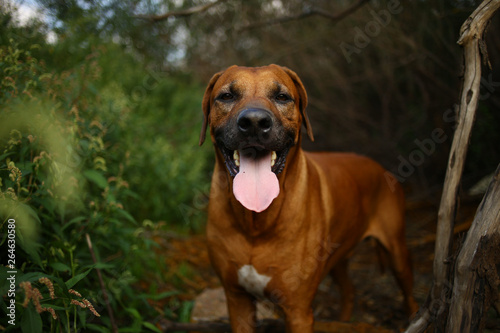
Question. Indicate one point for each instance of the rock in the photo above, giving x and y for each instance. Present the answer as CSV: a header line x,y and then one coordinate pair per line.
x,y
210,305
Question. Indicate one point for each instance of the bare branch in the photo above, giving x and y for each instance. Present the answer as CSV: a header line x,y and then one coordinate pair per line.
x,y
471,34
306,13
180,13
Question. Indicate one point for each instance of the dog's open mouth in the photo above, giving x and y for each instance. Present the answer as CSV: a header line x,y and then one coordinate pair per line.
x,y
255,171
233,158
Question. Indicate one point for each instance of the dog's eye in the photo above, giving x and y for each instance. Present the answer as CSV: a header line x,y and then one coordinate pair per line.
x,y
282,98
226,97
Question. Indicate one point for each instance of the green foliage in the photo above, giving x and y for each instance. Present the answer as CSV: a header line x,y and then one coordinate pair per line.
x,y
88,149
156,118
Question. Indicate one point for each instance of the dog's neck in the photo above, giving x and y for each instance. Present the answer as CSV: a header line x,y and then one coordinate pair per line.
x,y
258,224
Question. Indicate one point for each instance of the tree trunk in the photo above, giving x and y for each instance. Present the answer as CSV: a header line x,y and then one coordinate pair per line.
x,y
471,38
476,278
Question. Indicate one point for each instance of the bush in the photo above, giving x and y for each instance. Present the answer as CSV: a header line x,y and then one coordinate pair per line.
x,y
85,153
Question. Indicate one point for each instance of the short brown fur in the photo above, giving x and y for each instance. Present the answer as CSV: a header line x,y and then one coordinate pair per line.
x,y
328,203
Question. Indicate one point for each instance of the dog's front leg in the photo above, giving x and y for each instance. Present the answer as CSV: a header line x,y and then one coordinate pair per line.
x,y
299,319
242,312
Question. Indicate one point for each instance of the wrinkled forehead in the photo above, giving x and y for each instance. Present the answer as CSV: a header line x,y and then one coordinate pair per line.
x,y
255,81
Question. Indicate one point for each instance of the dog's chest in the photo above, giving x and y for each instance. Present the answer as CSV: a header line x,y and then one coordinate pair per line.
x,y
252,281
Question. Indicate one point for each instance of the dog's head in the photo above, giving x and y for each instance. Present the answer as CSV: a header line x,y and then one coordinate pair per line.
x,y
255,110
255,116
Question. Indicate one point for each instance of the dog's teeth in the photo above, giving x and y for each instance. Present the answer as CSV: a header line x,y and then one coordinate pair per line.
x,y
236,157
273,158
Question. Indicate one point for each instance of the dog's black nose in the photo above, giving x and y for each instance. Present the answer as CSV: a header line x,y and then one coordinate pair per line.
x,y
254,121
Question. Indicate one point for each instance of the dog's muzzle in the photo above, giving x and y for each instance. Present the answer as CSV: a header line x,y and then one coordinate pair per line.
x,y
255,123
253,133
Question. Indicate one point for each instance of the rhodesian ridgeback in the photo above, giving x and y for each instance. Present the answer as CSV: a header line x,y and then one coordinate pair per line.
x,y
280,218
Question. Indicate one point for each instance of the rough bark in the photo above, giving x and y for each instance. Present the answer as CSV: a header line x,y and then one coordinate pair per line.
x,y
475,286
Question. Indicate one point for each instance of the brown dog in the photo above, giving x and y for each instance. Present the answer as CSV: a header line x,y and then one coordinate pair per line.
x,y
280,218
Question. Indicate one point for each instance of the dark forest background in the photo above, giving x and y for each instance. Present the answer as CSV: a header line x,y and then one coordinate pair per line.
x,y
100,116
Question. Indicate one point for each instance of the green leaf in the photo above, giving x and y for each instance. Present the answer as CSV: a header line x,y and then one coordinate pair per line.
x,y
82,316
73,221
32,253
32,212
60,267
97,328
127,215
26,231
74,280
96,177
185,312
134,313
131,194
31,321
99,265
33,276
151,327
131,329
103,266
3,156
165,294
55,307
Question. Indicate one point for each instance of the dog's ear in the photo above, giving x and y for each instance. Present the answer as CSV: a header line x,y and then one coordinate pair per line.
x,y
205,104
303,100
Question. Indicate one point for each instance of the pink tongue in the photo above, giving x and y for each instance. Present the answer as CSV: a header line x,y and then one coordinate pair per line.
x,y
255,186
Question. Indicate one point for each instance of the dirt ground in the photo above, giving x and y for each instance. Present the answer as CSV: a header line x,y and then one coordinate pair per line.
x,y
378,300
